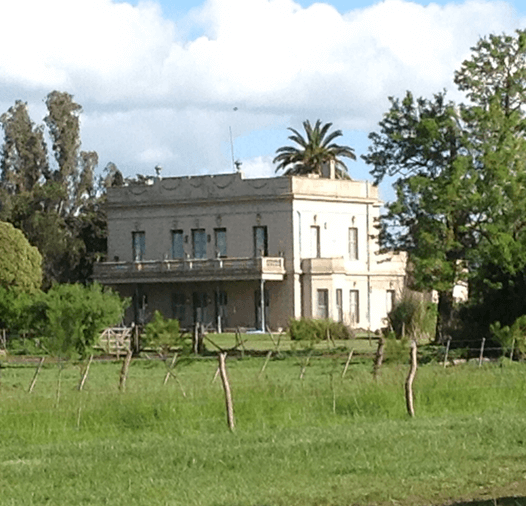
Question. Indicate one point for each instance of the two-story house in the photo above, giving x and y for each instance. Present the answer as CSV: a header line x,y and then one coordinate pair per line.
x,y
218,249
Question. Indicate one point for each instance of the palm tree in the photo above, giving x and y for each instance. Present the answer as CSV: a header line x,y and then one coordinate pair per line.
x,y
316,150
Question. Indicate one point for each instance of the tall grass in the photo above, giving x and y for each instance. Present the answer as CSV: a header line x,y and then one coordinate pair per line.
x,y
320,440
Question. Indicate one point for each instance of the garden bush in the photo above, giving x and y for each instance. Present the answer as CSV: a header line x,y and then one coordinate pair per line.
x,y
312,330
164,334
413,317
511,337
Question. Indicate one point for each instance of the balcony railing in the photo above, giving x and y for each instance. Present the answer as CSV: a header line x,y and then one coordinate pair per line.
x,y
179,270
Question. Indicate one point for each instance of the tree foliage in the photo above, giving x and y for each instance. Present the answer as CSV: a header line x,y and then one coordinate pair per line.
x,y
15,314
72,316
20,263
460,178
315,150
24,153
421,142
55,202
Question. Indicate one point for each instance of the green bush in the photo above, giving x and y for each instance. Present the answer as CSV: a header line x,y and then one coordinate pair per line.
x,y
413,318
164,334
511,337
396,349
305,329
70,318
20,263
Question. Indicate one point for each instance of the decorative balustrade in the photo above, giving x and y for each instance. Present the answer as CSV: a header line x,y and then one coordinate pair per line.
x,y
191,269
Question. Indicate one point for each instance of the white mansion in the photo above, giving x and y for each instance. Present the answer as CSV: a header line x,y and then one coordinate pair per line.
x,y
217,249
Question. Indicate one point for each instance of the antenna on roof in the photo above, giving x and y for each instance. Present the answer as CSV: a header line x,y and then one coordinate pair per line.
x,y
234,163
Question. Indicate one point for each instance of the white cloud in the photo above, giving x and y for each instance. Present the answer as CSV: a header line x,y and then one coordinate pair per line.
x,y
151,96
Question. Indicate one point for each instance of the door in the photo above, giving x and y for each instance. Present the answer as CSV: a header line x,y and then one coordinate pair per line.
x,y
200,306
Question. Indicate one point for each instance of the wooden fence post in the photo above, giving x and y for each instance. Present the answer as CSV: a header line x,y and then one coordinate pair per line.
x,y
197,339
124,371
447,351
410,378
347,363
304,368
269,354
84,376
379,357
59,380
170,367
228,395
481,356
37,371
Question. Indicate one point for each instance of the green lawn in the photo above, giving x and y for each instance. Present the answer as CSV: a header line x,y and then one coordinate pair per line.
x,y
263,342
322,440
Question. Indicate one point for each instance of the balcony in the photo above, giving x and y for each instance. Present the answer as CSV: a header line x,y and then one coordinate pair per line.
x,y
191,270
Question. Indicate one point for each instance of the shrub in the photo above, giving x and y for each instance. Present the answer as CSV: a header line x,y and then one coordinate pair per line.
x,y
305,329
511,337
71,317
164,334
413,317
20,263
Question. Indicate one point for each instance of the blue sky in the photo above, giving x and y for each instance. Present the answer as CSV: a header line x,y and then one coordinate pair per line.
x,y
166,82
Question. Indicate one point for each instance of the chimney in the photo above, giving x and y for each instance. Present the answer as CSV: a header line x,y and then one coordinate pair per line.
x,y
328,169
158,170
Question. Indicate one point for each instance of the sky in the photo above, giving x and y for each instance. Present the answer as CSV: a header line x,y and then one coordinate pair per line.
x,y
193,85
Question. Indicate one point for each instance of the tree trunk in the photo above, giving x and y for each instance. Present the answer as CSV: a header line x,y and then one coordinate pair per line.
x,y
444,317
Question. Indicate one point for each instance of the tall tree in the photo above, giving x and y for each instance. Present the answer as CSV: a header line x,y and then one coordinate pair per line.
x,y
422,144
315,150
55,204
461,182
494,78
24,154
75,173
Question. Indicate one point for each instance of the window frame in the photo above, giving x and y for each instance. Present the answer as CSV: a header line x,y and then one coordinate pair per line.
x,y
258,251
217,233
354,306
315,242
201,232
353,249
138,245
177,233
322,309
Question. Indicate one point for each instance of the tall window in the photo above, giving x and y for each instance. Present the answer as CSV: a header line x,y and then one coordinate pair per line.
x,y
177,244
138,246
323,303
260,242
220,241
354,306
353,243
315,242
198,243
389,301
339,304
179,307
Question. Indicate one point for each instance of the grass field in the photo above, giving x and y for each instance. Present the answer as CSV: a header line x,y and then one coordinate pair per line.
x,y
322,440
